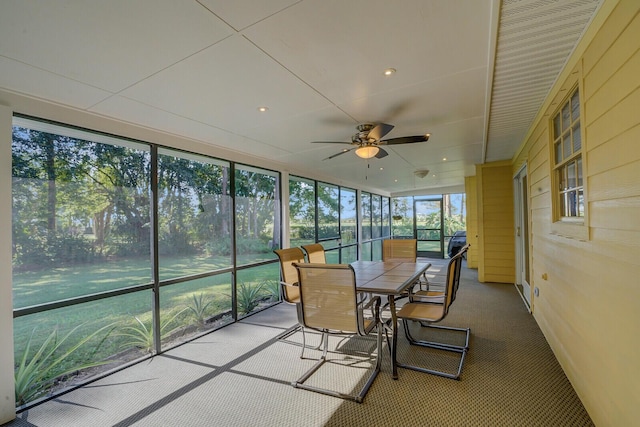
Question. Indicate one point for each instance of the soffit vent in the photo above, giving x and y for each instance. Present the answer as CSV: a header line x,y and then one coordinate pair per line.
x,y
535,39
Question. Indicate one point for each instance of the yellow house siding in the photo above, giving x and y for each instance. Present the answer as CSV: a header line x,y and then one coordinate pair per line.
x,y
615,24
589,290
496,224
609,155
470,188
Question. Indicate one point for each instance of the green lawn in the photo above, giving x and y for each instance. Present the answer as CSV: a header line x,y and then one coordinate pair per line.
x,y
37,287
212,293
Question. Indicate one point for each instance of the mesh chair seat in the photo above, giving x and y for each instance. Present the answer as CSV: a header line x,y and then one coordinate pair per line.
x,y
422,312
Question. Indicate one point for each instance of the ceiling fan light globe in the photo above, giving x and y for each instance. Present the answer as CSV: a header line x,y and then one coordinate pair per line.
x,y
367,152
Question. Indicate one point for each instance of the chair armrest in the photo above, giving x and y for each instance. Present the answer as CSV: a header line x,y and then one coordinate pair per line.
x,y
283,284
284,292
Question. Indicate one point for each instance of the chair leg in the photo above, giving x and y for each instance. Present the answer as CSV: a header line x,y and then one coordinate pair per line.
x,y
439,346
315,367
282,337
299,383
435,344
304,343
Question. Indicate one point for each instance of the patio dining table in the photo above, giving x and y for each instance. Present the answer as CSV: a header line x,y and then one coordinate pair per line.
x,y
392,279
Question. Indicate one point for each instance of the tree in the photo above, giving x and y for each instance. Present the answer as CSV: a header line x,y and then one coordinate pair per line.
x,y
64,185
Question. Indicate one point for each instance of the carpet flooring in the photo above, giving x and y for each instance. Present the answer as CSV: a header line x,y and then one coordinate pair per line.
x,y
241,375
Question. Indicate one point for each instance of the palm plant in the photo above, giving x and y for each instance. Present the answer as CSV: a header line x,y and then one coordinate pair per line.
x,y
272,288
35,375
198,309
248,297
140,334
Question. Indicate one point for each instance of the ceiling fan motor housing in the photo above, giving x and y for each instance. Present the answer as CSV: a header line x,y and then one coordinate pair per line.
x,y
363,133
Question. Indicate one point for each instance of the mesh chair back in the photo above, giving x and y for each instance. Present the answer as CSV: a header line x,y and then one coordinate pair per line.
x,y
315,253
288,272
453,277
452,267
457,278
403,250
328,297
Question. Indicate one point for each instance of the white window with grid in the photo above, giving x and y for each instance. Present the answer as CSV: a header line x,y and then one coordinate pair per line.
x,y
567,151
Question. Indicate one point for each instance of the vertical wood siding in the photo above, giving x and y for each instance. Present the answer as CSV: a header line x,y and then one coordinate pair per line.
x,y
496,262
470,189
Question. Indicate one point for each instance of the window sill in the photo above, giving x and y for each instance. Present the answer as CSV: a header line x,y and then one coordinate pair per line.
x,y
571,229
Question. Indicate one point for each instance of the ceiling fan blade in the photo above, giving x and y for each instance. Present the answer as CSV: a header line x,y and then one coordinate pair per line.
x,y
381,153
338,154
406,140
380,130
331,142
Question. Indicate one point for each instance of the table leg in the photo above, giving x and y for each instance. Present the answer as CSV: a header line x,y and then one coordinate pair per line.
x,y
394,337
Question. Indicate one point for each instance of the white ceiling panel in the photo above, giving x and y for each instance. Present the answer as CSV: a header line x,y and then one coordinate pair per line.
x,y
108,44
201,68
33,81
125,109
243,13
295,133
419,107
360,39
224,85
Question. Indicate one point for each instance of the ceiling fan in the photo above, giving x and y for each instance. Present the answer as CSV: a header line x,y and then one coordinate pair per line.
x,y
367,141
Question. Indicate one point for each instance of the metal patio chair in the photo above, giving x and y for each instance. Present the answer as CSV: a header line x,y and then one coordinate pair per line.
x,y
289,290
402,250
330,304
427,313
436,294
315,253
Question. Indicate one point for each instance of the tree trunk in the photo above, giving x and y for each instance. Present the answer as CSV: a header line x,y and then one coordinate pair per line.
x,y
224,203
277,208
50,169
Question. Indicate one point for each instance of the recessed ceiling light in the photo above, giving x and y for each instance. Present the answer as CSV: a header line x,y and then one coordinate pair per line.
x,y
381,169
395,180
389,71
444,159
262,109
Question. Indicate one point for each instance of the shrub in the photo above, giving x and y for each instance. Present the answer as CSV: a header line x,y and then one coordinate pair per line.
x,y
244,246
44,248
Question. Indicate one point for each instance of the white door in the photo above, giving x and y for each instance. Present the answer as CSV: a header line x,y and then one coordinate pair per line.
x,y
522,235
